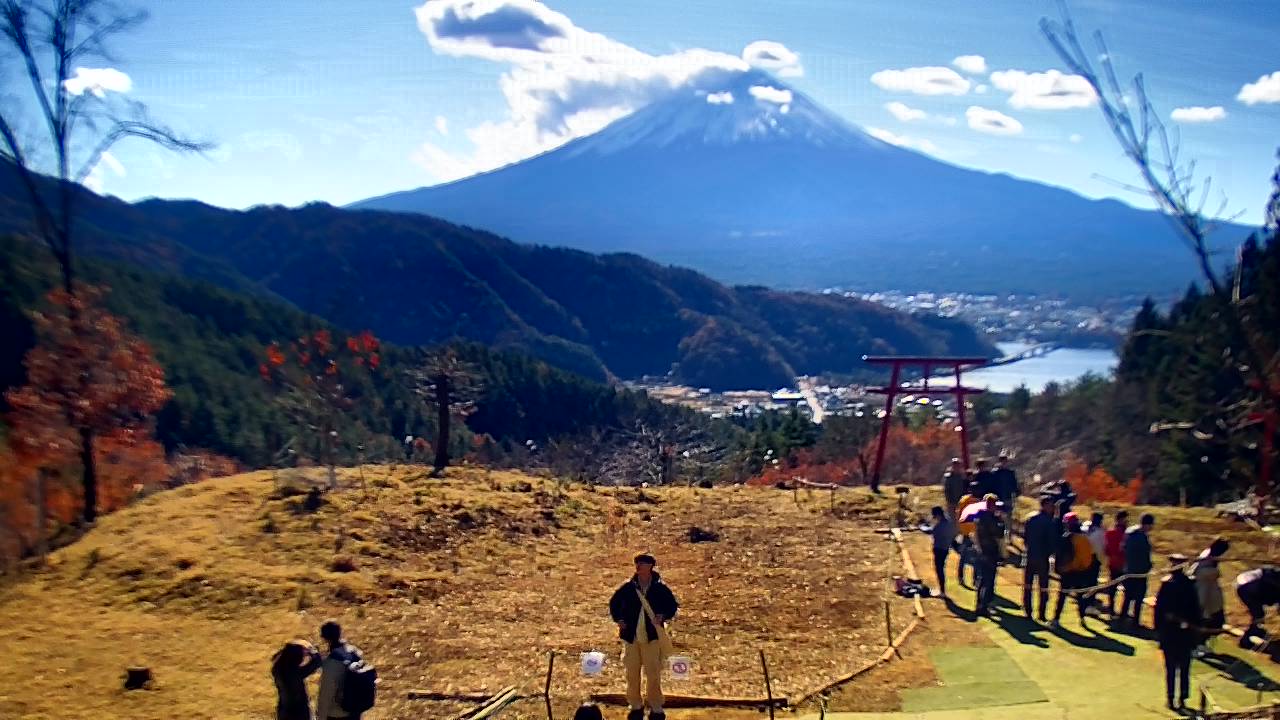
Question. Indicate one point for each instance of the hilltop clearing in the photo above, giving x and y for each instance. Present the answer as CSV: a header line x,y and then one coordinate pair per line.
x,y
459,585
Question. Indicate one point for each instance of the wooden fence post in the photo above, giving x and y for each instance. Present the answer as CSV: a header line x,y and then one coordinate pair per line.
x,y
768,686
546,691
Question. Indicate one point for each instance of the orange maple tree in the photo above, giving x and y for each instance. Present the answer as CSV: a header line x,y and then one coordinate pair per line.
x,y
313,376
1098,485
87,378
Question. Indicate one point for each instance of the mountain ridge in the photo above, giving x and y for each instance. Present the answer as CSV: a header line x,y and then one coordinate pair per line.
x,y
811,203
418,280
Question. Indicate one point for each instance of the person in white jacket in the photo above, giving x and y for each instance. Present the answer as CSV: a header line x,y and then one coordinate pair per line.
x,y
1208,577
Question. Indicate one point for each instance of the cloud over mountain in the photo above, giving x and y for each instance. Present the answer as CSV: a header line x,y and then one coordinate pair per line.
x,y
774,57
922,81
1049,90
991,122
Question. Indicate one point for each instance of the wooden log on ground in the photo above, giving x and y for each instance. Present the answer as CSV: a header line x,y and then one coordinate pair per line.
x,y
504,697
910,567
475,697
693,701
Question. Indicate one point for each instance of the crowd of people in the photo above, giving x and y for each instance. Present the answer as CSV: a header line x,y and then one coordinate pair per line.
x,y
1190,606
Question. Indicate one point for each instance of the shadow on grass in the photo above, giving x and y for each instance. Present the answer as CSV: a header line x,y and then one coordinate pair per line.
x,y
1241,671
961,613
1095,641
1020,627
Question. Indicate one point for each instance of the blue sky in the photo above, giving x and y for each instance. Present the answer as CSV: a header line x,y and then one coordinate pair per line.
x,y
338,101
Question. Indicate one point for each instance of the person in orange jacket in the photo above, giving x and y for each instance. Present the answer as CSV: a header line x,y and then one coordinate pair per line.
x,y
1075,557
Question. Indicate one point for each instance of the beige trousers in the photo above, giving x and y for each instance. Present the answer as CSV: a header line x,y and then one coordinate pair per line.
x,y
646,657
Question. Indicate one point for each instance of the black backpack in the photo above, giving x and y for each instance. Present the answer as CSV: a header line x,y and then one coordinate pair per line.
x,y
1066,551
359,687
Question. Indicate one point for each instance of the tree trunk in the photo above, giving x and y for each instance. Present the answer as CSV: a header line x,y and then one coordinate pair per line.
x,y
442,423
42,540
89,476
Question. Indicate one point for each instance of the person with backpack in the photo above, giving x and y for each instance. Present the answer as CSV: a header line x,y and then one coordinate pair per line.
x,y
1137,563
1257,589
1113,548
966,527
290,668
347,683
1074,558
1177,617
641,608
944,536
1040,539
1208,577
990,539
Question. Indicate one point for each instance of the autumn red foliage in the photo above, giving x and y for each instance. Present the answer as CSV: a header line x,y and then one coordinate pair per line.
x,y
912,456
314,377
88,378
1097,485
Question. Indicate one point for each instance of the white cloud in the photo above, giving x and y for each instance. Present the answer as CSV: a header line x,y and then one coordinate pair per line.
x,y
922,81
1198,114
1050,90
981,89
1265,90
774,57
992,122
442,125
972,64
97,176
563,81
766,93
902,140
720,98
98,81
904,112
1076,138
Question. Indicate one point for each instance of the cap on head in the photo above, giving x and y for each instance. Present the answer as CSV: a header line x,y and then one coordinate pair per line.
x,y
646,559
1219,547
1071,519
990,498
982,462
331,631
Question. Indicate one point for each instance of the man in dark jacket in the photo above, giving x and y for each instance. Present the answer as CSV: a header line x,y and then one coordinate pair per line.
x,y
641,608
1006,481
990,537
1137,562
1177,615
986,479
1040,537
954,486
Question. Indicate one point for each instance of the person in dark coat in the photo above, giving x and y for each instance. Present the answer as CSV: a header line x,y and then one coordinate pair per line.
x,y
986,479
1006,481
641,629
954,486
1257,589
990,537
1177,619
944,536
1137,563
290,668
1040,538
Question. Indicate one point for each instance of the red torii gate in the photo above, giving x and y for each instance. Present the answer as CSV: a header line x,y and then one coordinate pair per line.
x,y
897,387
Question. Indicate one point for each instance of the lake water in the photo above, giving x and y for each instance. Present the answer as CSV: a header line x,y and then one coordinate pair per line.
x,y
1058,366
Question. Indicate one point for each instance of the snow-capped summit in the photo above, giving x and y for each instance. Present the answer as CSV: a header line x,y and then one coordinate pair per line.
x,y
747,179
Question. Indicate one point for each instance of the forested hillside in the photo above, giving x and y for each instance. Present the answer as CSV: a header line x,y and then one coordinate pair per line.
x,y
417,280
211,343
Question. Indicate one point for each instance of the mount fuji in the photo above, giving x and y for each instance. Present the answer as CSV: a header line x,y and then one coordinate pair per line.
x,y
752,182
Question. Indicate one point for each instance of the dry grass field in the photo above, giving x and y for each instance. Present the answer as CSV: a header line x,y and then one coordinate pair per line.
x,y
455,585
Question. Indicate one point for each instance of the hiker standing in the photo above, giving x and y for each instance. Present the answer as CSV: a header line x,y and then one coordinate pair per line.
x,y
954,486
1040,538
1097,535
966,526
1177,615
641,608
1075,557
986,479
990,537
334,674
1137,562
944,536
290,668
1006,482
1257,589
1208,578
1113,546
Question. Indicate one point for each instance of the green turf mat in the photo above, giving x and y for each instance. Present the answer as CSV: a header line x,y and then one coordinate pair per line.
x,y
972,695
973,677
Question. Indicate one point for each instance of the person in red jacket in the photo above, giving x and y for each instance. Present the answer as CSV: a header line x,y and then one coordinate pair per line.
x,y
1113,543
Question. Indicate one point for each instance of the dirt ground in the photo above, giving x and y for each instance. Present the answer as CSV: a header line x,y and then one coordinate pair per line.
x,y
456,585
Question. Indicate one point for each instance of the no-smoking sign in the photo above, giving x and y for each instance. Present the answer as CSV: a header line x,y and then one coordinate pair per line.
x,y
681,667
